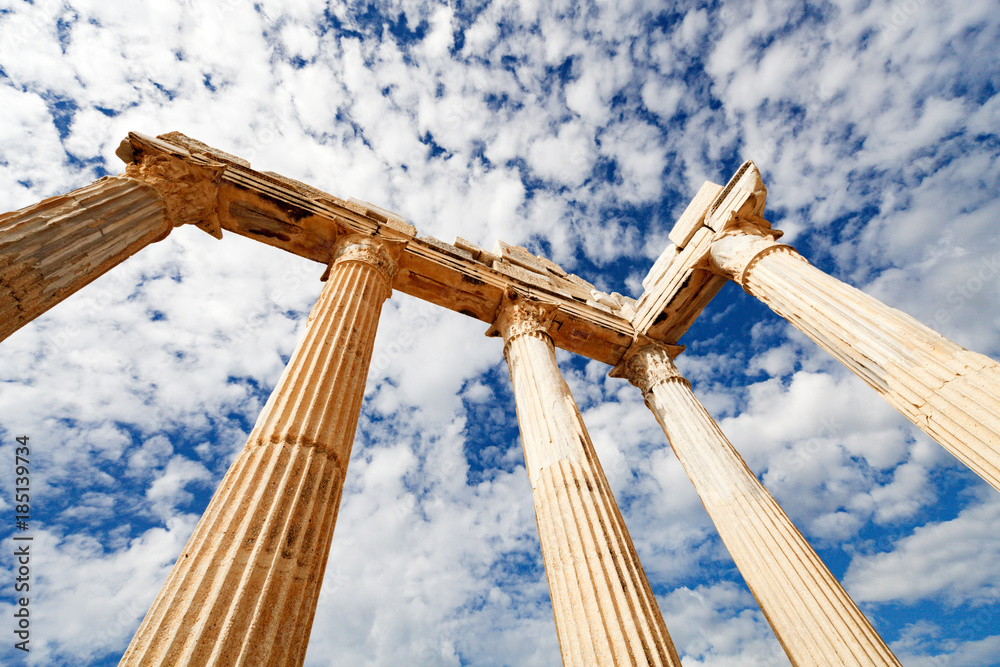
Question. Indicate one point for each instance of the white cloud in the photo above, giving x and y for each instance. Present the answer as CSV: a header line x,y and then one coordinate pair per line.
x,y
662,99
566,158
719,626
954,560
439,39
300,40
74,571
600,78
168,490
870,124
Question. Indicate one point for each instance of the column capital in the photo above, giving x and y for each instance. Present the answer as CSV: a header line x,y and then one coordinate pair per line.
x,y
190,193
379,253
519,315
736,250
648,363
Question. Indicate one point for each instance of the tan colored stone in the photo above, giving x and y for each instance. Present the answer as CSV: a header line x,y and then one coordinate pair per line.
x,y
245,588
949,392
300,219
604,609
52,249
815,620
662,264
260,548
693,216
675,297
682,281
743,198
191,192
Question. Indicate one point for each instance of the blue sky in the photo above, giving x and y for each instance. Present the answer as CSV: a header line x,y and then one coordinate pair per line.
x,y
580,131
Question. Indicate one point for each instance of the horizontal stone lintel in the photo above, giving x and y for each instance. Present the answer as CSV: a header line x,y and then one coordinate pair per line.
x,y
682,281
305,221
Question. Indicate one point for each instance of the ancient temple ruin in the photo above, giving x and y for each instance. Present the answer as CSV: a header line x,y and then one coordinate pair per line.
x,y
252,570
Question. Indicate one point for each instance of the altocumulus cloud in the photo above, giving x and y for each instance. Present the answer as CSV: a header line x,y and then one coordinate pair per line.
x,y
580,130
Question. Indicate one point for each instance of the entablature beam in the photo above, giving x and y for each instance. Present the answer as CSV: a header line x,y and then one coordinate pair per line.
x,y
305,221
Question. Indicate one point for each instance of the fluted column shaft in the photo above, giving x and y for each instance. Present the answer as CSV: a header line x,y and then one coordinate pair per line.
x,y
245,588
949,392
815,620
605,611
50,250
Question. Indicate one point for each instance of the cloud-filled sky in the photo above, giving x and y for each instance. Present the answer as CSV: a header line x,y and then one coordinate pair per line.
x,y
580,131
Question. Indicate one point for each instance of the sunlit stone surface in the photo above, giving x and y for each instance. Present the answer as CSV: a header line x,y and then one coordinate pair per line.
x,y
949,392
245,588
50,250
815,620
604,609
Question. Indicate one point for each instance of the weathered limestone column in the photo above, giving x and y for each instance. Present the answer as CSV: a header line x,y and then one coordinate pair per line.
x,y
604,609
245,588
50,250
949,392
815,620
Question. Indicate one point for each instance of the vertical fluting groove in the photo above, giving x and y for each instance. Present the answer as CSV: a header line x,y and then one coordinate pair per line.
x,y
787,542
181,579
50,250
355,315
950,393
291,540
294,611
560,587
588,524
255,465
245,589
637,594
815,620
265,563
269,567
209,594
604,609
617,573
595,628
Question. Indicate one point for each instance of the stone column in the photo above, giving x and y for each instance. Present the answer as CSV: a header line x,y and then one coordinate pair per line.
x,y
949,392
52,249
604,609
815,620
245,588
